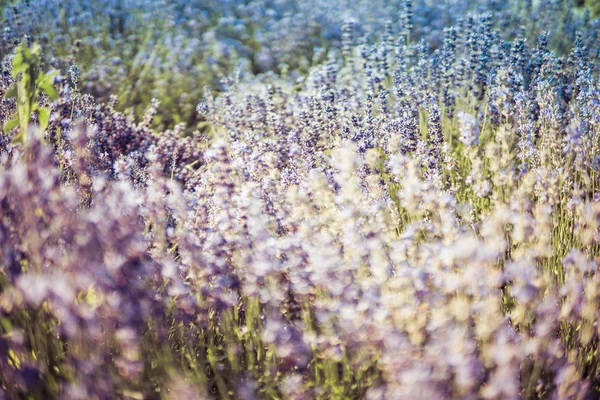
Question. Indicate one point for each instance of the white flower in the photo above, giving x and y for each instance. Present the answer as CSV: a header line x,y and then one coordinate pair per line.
x,y
469,129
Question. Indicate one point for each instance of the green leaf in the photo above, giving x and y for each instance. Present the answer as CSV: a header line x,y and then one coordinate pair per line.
x,y
27,89
47,87
17,64
11,92
6,324
36,50
20,138
50,74
44,116
10,125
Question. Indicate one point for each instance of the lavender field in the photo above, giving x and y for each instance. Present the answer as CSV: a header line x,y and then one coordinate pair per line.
x,y
277,199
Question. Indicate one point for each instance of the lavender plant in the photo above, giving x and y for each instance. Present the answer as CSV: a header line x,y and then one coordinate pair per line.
x,y
408,209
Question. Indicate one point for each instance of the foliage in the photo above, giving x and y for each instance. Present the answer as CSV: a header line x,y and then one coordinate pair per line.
x,y
29,85
594,6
